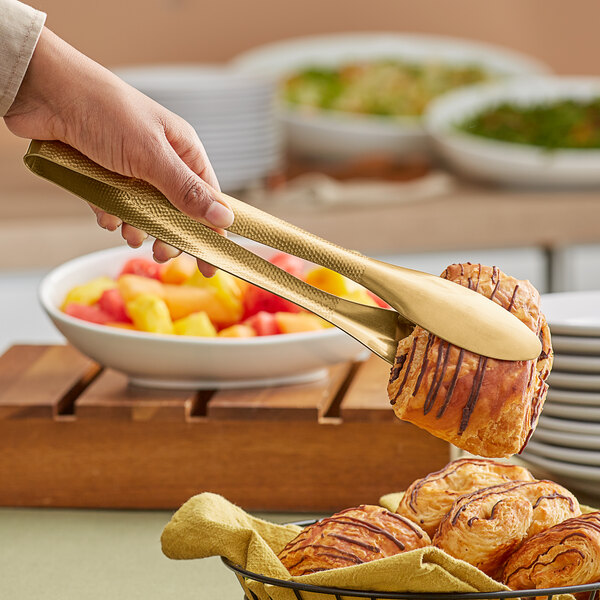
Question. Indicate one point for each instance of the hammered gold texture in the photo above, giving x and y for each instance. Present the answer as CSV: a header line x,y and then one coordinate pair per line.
x,y
252,224
143,206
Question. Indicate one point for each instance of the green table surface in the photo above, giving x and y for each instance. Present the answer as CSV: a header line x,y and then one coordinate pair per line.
x,y
59,554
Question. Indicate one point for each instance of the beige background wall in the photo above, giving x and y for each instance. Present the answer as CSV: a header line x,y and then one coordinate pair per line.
x,y
119,32
563,33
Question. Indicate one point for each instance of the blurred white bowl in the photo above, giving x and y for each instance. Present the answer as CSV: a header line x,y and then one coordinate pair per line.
x,y
171,361
326,134
505,162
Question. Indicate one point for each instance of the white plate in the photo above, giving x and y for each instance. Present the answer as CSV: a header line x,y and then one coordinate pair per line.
x,y
574,381
576,364
567,344
569,426
196,79
510,163
573,472
573,313
570,440
572,411
578,457
585,479
194,362
573,397
329,134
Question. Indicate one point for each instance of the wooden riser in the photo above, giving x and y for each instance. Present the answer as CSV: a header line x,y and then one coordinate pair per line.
x,y
72,434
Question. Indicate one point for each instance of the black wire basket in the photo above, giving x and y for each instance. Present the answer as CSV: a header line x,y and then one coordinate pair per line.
x,y
300,589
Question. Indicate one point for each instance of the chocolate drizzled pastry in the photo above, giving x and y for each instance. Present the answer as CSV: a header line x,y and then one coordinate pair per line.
x,y
485,406
485,527
566,554
427,500
351,537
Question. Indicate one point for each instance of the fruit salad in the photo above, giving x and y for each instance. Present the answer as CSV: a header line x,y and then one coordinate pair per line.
x,y
175,298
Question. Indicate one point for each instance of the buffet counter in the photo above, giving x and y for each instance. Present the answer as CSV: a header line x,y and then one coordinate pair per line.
x,y
48,225
60,554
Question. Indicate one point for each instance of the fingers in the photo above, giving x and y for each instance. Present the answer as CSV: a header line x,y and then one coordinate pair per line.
x,y
105,220
206,269
163,252
187,145
134,237
185,188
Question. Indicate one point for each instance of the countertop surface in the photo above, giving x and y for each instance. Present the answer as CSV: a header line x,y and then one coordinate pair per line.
x,y
55,554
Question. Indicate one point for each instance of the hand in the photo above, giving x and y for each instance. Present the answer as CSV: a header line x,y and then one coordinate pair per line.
x,y
68,97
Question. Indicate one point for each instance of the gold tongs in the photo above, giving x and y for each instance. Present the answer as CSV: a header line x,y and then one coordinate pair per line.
x,y
450,311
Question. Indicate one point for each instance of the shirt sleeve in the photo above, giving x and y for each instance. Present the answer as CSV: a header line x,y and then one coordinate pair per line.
x,y
20,28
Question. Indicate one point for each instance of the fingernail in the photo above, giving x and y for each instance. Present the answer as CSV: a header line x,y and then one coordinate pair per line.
x,y
219,215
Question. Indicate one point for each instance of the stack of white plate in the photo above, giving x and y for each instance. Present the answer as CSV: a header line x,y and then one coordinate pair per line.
x,y
232,112
567,441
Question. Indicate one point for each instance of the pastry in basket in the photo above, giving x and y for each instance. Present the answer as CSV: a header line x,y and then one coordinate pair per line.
x,y
485,406
427,500
351,537
566,554
485,527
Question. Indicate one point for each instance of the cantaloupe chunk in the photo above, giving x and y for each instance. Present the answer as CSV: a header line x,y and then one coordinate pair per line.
x,y
183,300
298,322
238,331
132,286
179,269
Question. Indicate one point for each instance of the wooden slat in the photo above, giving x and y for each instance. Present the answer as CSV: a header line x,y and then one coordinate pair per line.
x,y
366,398
47,385
16,360
304,402
110,397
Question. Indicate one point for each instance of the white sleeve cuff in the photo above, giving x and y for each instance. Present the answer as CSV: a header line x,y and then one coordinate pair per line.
x,y
20,28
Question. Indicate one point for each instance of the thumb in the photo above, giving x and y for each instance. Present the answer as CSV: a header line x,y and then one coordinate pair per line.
x,y
188,192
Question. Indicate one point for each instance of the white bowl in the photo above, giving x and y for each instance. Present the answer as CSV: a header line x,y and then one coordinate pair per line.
x,y
190,362
329,134
510,163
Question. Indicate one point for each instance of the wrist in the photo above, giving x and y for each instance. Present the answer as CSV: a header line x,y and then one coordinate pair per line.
x,y
58,81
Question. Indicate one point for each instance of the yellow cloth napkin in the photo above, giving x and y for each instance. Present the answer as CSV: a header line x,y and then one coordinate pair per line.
x,y
209,525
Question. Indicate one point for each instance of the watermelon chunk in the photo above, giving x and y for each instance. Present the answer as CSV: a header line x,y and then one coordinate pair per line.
x,y
112,303
92,314
264,323
143,267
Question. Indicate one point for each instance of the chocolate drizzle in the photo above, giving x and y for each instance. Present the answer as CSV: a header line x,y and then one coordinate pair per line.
x,y
430,339
512,300
417,531
555,495
356,522
452,385
408,365
345,538
497,284
474,395
398,364
434,388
